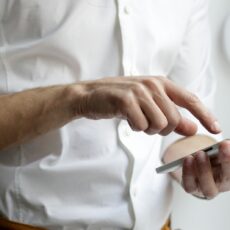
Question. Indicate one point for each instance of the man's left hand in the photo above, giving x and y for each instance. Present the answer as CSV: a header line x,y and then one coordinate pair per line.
x,y
207,177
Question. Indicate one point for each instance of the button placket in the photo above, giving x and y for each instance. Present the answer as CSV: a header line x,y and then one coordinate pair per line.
x,y
127,9
134,191
127,132
126,25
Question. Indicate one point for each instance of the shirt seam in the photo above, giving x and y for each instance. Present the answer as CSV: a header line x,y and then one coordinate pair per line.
x,y
3,55
18,189
18,211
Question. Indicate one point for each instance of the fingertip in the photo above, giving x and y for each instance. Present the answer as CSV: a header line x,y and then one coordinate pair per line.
x,y
188,165
201,156
215,127
224,149
188,161
224,144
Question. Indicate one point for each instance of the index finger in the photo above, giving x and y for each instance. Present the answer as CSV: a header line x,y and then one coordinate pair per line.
x,y
193,104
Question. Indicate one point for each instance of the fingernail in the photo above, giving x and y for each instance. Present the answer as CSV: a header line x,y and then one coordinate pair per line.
x,y
216,127
188,161
201,156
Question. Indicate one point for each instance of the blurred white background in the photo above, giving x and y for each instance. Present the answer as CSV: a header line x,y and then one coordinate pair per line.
x,y
190,213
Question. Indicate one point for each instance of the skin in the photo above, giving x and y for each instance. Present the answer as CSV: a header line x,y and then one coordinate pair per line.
x,y
149,104
201,176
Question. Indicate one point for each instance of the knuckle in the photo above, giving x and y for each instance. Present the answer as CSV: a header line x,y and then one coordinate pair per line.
x,y
152,83
161,124
192,98
147,82
163,79
138,88
127,99
173,121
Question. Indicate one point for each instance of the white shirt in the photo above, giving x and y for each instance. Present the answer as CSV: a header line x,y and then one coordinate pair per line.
x,y
96,175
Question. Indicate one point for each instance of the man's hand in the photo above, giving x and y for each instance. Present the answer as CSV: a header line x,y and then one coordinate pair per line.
x,y
147,103
206,177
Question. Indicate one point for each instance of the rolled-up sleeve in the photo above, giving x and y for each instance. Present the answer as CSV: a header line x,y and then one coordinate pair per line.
x,y
191,69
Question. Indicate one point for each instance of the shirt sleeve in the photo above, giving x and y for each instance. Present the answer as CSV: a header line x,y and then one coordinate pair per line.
x,y
191,69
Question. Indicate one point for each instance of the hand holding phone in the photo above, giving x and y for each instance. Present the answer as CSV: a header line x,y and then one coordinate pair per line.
x,y
172,166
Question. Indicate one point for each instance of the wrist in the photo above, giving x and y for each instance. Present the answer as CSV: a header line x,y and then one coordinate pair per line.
x,y
76,94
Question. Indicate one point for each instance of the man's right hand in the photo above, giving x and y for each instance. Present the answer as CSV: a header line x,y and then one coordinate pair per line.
x,y
149,104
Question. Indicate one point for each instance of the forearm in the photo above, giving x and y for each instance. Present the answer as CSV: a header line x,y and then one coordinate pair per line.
x,y
184,147
34,112
28,114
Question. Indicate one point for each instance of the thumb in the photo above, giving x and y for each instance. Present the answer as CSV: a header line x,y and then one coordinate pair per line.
x,y
186,127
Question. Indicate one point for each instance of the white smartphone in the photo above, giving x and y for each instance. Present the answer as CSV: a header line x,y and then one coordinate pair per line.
x,y
174,165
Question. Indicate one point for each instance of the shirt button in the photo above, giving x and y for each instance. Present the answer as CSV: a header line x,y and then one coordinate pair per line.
x,y
127,132
127,10
133,73
134,192
130,74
